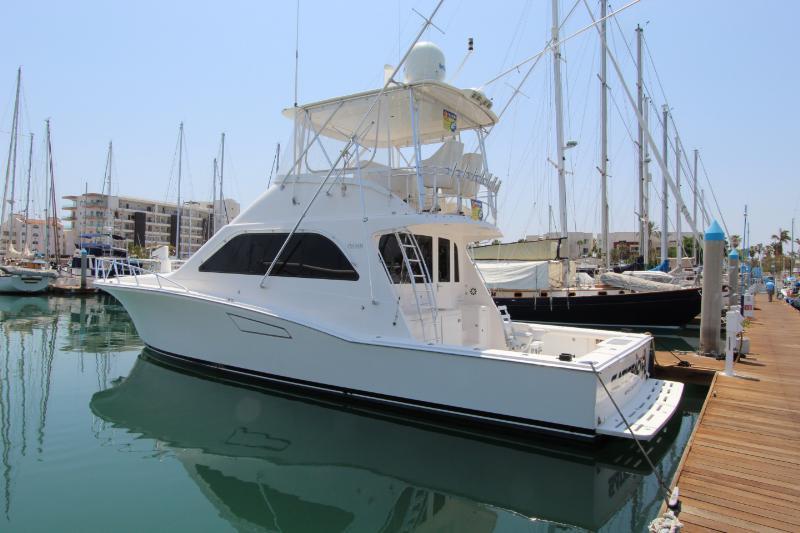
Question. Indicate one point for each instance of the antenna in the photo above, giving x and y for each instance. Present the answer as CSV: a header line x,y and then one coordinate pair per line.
x,y
470,49
296,49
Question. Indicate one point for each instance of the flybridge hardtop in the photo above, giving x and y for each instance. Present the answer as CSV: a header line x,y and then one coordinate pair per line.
x,y
442,111
351,275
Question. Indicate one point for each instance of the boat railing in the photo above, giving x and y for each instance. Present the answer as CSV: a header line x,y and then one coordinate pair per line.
x,y
110,268
445,190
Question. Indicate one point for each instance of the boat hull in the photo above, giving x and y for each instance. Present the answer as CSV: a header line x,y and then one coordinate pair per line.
x,y
24,284
666,309
253,343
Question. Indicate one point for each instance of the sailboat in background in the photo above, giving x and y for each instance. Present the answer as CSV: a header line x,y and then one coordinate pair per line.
x,y
20,271
538,291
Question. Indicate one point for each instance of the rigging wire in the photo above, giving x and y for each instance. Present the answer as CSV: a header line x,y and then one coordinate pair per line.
x,y
713,195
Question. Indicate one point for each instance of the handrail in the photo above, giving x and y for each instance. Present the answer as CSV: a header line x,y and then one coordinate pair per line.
x,y
105,266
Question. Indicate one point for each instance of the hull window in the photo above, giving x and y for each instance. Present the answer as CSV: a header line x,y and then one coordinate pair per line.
x,y
308,255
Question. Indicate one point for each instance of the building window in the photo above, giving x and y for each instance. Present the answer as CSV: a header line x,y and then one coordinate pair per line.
x,y
308,255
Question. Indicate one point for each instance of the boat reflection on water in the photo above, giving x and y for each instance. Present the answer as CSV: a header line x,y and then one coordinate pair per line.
x,y
272,460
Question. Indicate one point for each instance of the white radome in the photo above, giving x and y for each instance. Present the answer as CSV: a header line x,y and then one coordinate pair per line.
x,y
425,63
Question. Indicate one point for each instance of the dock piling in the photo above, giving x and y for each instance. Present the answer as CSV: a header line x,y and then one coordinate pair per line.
x,y
711,303
733,277
84,260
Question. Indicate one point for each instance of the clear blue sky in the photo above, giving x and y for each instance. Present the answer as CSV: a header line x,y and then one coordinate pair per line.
x,y
132,71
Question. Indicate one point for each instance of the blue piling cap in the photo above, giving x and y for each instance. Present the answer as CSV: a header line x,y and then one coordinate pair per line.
x,y
734,254
714,232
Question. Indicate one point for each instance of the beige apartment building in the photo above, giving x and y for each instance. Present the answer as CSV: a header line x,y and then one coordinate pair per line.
x,y
33,233
145,223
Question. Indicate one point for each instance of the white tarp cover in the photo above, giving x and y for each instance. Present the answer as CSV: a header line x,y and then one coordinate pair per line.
x,y
520,275
634,284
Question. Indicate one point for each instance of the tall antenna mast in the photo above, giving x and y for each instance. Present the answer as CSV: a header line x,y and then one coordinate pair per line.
x,y
562,184
606,251
180,209
296,70
11,166
643,229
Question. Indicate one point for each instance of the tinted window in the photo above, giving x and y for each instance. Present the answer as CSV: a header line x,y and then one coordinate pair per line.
x,y
444,260
307,255
425,244
392,256
455,263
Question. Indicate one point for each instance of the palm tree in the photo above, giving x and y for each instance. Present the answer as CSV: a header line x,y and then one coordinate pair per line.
x,y
654,235
735,240
779,239
777,247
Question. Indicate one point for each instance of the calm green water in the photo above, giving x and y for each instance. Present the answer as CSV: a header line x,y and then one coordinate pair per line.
x,y
96,435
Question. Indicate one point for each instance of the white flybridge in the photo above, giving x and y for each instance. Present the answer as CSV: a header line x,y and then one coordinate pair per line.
x,y
350,276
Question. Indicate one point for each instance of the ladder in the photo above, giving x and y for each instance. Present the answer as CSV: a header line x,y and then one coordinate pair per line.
x,y
421,285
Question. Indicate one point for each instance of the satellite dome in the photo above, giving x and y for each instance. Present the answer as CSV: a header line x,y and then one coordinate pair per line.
x,y
425,62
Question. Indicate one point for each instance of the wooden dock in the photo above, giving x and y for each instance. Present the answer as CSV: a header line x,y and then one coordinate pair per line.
x,y
741,469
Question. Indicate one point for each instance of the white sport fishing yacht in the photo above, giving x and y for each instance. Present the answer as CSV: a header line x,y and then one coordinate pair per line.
x,y
350,276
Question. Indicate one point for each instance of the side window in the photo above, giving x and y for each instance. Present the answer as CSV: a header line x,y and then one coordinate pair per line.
x,y
426,247
392,255
444,260
308,255
455,263
392,258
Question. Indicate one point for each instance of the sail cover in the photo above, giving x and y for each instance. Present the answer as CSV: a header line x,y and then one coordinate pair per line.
x,y
520,275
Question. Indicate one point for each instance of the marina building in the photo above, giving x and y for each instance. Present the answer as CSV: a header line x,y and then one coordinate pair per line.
x,y
34,233
145,224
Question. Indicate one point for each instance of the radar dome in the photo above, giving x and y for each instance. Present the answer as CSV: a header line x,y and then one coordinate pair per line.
x,y
425,62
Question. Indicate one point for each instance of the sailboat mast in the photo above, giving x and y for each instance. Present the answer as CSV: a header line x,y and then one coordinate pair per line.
x,y
109,221
646,184
213,228
562,185
222,178
28,193
180,210
604,140
643,229
11,166
694,210
678,214
50,203
664,189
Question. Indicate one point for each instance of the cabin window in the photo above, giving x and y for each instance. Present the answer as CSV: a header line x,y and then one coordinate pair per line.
x,y
308,255
392,255
455,263
444,260
425,244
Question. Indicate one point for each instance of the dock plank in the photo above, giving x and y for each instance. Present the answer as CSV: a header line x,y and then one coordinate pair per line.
x,y
741,470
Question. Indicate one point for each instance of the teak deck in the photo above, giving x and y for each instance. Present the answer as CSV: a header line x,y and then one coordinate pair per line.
x,y
741,470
